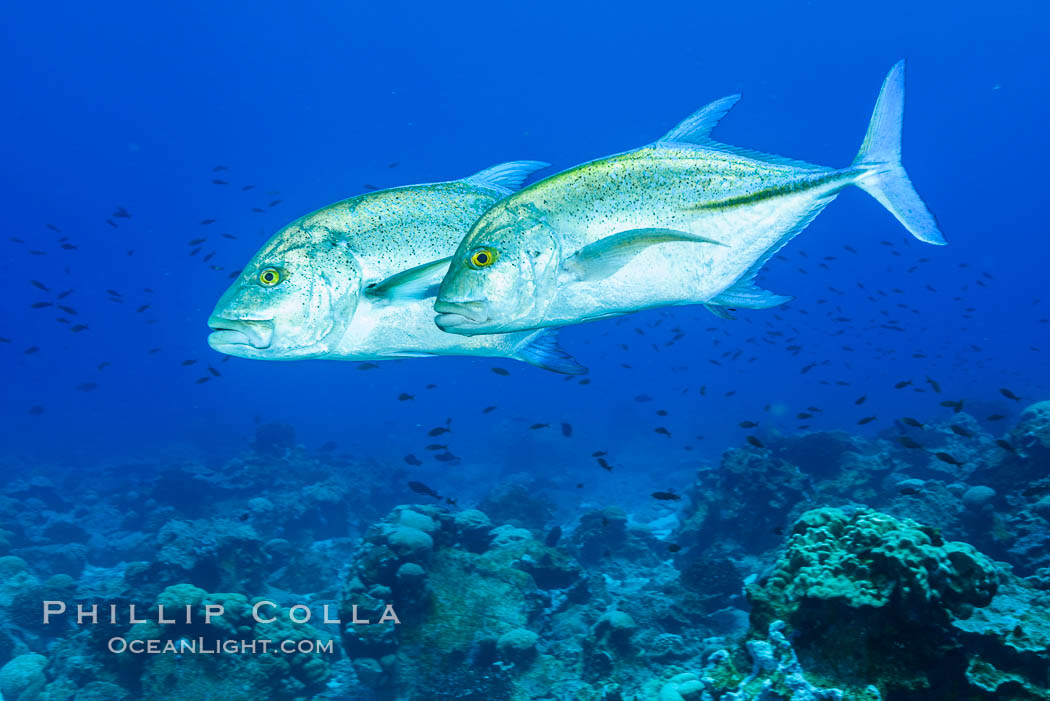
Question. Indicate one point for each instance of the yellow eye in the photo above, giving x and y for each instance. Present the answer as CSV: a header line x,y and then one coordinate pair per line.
x,y
482,258
268,277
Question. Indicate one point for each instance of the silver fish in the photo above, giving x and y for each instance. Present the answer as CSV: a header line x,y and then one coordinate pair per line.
x,y
685,220
356,280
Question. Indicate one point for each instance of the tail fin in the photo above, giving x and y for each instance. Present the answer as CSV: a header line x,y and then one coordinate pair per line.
x,y
880,157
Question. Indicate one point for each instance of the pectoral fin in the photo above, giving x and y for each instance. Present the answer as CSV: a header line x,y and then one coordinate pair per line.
x,y
599,260
419,282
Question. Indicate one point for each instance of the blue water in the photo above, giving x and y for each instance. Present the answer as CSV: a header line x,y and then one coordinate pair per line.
x,y
134,105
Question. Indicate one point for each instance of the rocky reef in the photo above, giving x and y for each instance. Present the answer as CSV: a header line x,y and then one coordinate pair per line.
x,y
803,567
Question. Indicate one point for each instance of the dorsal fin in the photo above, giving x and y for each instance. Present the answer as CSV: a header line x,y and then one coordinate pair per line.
x,y
697,127
506,176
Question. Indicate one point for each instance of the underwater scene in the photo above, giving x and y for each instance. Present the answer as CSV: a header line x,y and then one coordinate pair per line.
x,y
657,351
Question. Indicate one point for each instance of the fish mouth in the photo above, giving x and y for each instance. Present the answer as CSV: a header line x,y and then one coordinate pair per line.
x,y
228,333
452,316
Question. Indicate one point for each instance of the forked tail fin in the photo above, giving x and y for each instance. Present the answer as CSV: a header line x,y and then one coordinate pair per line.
x,y
880,158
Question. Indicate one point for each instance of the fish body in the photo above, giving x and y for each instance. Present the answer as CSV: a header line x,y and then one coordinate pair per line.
x,y
356,280
685,220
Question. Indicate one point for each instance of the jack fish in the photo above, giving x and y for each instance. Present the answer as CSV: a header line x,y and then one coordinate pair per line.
x,y
686,220
357,279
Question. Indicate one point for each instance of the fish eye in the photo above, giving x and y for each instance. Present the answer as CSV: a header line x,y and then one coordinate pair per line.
x,y
482,258
268,277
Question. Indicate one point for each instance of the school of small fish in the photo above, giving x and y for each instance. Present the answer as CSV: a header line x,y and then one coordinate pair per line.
x,y
479,267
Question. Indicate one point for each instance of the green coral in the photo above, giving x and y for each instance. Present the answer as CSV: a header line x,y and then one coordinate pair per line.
x,y
875,599
870,559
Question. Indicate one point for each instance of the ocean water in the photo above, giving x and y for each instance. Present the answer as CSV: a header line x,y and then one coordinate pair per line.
x,y
841,497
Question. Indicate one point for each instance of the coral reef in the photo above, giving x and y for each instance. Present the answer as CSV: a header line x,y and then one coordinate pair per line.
x,y
808,567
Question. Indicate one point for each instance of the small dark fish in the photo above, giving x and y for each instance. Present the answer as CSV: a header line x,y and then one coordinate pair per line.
x,y
662,431
218,181
536,426
450,501
748,424
77,328
103,365
63,294
395,164
68,247
86,386
566,429
152,351
488,410
1006,445
1009,395
420,488
4,339
197,242
996,417
661,412
219,169
866,420
367,366
437,431
955,406
41,305
946,458
31,350
120,213
643,398
445,457
247,187
67,309
413,460
501,371
909,443
245,516
553,536
755,442
960,431
229,236
214,372
53,228
605,464
202,380
902,384
36,410
186,363
143,308
803,415
861,400
934,384
673,547
205,222
669,495
914,423
908,491
39,285
274,203
598,453
403,397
